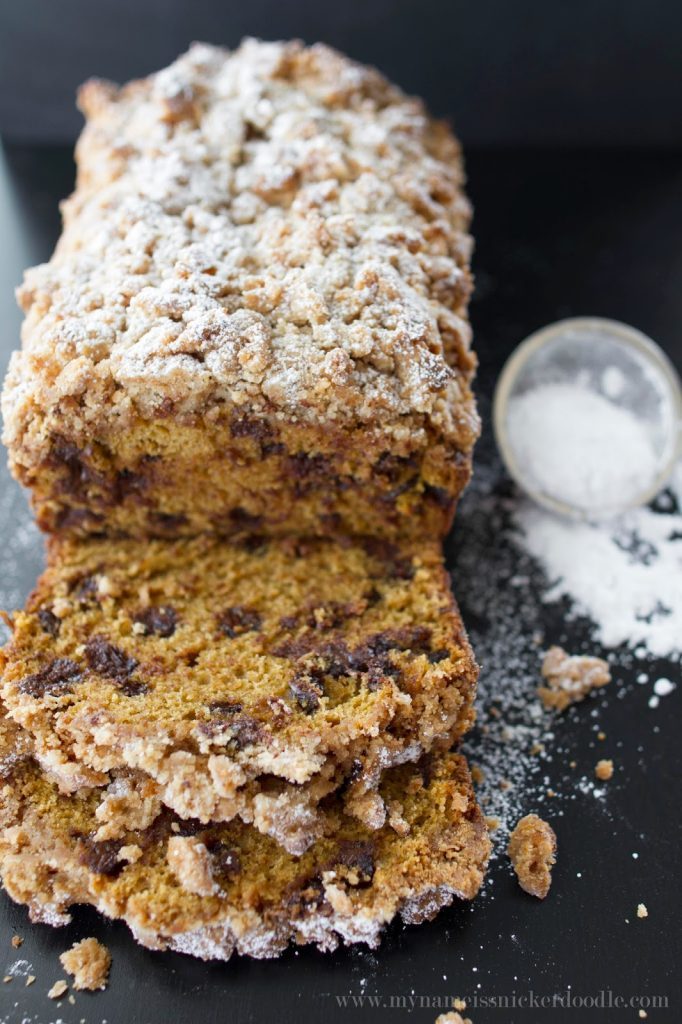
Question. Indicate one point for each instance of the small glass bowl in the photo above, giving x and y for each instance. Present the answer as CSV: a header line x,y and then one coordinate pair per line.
x,y
613,360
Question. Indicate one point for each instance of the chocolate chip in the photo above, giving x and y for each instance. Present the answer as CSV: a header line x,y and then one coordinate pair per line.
x,y
77,519
238,620
242,519
358,855
401,488
161,621
393,466
58,676
129,483
259,430
102,858
166,522
241,731
272,448
226,860
439,495
440,655
49,623
186,826
224,707
108,660
133,687
306,691
304,896
304,466
86,588
395,565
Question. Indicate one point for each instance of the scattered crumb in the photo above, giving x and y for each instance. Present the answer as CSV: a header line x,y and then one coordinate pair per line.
x,y
72,999
532,851
58,990
17,941
452,1018
572,764
537,748
643,1015
601,735
604,770
459,1004
493,824
30,978
477,774
88,961
6,980
641,910
570,677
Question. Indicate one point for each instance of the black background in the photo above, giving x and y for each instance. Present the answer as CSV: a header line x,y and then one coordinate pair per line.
x,y
571,117
561,72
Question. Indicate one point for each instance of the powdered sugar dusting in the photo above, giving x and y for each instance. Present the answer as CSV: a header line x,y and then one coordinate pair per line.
x,y
626,576
275,227
516,564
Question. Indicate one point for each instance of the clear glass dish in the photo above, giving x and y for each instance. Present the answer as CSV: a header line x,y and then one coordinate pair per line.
x,y
610,359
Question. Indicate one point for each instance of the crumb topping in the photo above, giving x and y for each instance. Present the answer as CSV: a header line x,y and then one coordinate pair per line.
x,y
604,770
59,989
570,677
88,962
276,227
532,851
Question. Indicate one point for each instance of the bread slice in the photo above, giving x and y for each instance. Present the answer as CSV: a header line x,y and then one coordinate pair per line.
x,y
211,890
246,680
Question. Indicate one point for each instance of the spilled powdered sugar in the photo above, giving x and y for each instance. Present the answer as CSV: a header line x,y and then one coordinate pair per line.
x,y
517,567
626,576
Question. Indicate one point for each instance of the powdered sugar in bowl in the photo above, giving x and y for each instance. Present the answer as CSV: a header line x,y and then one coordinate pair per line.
x,y
587,416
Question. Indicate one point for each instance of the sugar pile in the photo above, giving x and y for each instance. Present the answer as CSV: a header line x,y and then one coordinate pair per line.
x,y
579,447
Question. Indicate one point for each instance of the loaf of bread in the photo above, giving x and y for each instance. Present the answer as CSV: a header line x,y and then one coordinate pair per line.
x,y
255,318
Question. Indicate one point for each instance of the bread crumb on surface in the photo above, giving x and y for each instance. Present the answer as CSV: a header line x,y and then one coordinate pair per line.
x,y
570,677
643,1015
604,770
452,1017
88,961
642,910
58,989
30,979
532,851
459,1004
17,941
6,980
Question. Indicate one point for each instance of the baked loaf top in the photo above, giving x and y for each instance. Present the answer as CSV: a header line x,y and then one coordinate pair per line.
x,y
210,890
277,228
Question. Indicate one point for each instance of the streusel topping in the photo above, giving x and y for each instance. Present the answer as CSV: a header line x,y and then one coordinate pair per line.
x,y
276,227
